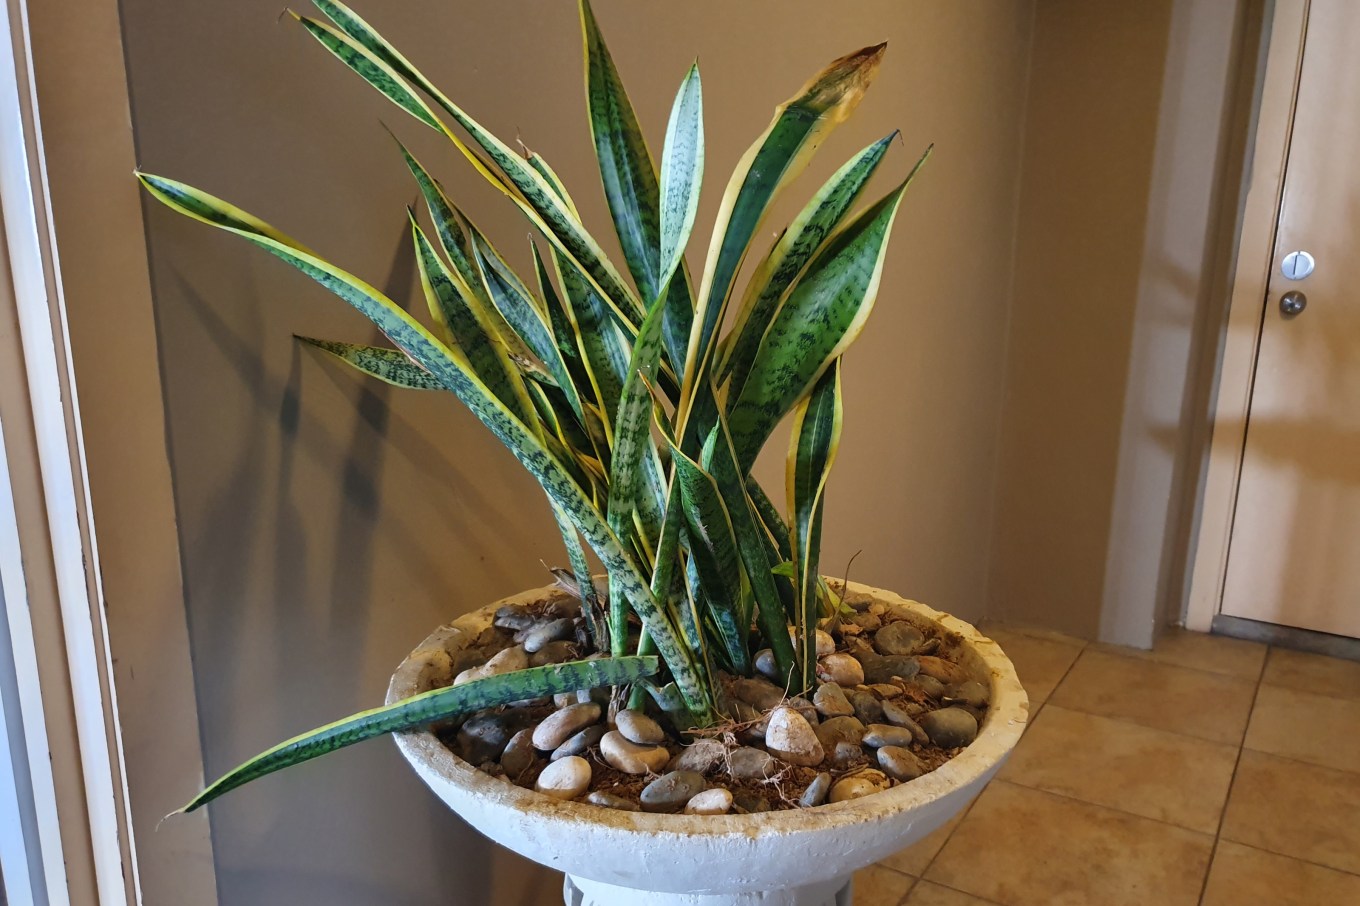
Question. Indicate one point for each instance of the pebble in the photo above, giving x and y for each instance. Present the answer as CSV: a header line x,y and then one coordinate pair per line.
x,y
790,737
609,800
856,785
552,631
900,637
484,738
701,756
878,735
513,617
717,801
899,763
639,728
805,708
882,669
815,794
946,672
631,758
565,779
753,721
561,725
504,661
950,728
825,643
519,754
558,652
578,743
751,764
766,665
841,669
831,701
867,621
840,729
972,694
867,707
930,686
847,754
897,714
670,792
759,693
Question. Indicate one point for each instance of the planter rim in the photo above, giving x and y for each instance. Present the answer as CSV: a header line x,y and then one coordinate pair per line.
x,y
1000,730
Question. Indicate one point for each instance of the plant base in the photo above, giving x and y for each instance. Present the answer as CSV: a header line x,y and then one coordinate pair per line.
x,y
584,892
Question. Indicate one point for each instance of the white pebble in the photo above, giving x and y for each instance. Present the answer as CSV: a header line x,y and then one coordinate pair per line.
x,y
565,779
716,801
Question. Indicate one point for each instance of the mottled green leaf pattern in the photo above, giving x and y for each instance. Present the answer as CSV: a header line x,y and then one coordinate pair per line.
x,y
388,365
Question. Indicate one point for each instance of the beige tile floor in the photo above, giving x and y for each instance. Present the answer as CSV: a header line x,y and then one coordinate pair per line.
x,y
1209,771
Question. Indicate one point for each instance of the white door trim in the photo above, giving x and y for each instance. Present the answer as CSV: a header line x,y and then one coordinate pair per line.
x,y
1269,155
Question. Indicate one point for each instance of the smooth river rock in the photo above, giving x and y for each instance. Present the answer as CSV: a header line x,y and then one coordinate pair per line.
x,y
578,743
815,794
565,779
609,800
717,801
552,631
899,763
830,701
946,672
751,764
701,755
840,668
879,735
900,638
854,786
631,758
790,737
639,728
950,728
561,725
670,792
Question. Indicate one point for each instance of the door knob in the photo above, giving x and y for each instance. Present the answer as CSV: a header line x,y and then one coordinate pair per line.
x,y
1293,303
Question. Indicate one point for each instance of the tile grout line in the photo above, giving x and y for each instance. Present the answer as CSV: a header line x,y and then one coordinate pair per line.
x,y
1232,781
1108,808
1299,859
1029,722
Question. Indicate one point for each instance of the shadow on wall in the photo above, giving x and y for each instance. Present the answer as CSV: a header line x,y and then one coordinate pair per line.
x,y
269,584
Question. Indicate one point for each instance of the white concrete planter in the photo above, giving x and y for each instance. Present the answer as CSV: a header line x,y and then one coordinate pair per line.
x,y
784,858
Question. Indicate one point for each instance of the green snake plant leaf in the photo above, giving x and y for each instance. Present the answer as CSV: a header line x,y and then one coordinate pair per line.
x,y
452,369
388,365
821,316
793,250
812,451
777,156
631,187
470,330
629,493
519,180
626,167
431,707
757,547
770,516
682,172
715,555
585,583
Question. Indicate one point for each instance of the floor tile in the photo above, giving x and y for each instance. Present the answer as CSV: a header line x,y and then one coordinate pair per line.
x,y
1215,653
1023,847
1317,729
1153,773
914,859
1314,673
876,886
1206,705
1039,662
1295,809
1242,876
927,894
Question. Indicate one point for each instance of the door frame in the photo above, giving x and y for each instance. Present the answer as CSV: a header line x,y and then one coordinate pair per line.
x,y
87,453
1268,157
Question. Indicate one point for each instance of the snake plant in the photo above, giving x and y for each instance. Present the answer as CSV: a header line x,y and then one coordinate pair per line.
x,y
638,414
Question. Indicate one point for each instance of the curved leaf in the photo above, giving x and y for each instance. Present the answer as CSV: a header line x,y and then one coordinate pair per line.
x,y
431,707
821,317
682,172
794,249
388,365
812,451
799,126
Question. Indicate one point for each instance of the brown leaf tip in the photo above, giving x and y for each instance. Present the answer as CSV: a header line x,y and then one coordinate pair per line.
x,y
843,82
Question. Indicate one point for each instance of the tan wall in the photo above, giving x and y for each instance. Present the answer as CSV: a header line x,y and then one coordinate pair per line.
x,y
1126,139
327,525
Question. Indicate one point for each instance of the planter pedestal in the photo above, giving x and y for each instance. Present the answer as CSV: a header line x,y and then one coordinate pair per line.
x,y
583,892
797,857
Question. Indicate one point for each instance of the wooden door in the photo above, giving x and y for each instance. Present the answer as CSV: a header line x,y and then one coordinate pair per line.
x,y
1294,555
